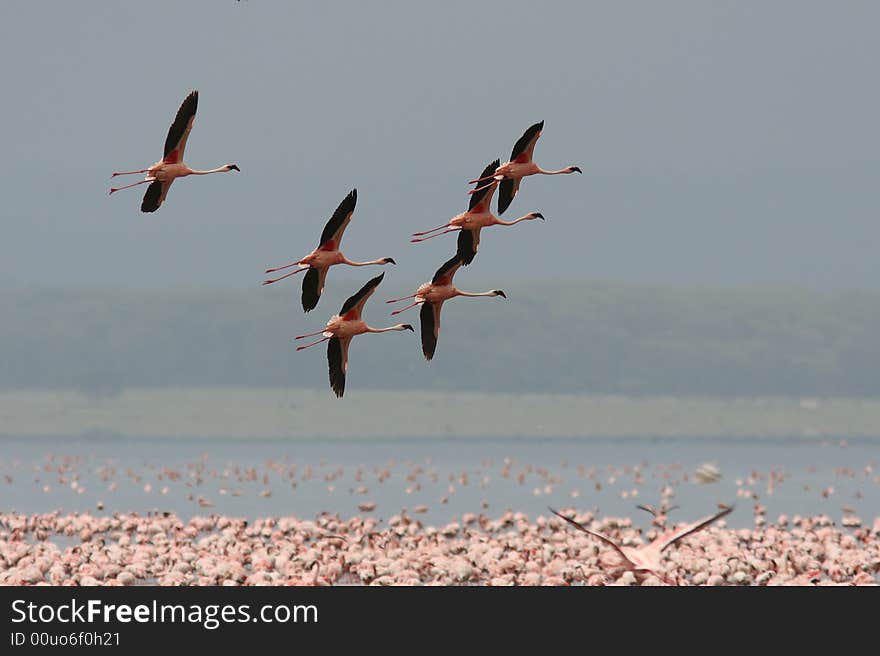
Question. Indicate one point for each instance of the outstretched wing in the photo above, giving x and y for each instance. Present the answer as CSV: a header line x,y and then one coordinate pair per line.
x,y
447,271
468,243
339,222
337,361
507,189
595,534
671,538
354,306
178,133
524,148
430,317
155,195
313,287
483,198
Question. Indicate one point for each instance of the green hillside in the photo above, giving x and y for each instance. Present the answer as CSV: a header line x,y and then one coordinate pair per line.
x,y
590,338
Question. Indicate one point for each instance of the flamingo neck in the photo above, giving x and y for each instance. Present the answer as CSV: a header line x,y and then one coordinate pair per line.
x,y
345,260
525,217
219,169
560,171
491,292
399,326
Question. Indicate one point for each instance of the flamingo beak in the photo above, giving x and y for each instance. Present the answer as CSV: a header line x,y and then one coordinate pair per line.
x,y
389,260
575,168
406,326
498,292
538,215
233,167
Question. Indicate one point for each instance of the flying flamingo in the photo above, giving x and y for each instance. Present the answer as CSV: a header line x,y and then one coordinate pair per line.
x,y
171,166
431,296
319,261
342,327
469,223
511,173
646,557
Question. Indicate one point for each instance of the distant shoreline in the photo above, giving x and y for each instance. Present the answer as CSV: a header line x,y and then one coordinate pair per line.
x,y
279,413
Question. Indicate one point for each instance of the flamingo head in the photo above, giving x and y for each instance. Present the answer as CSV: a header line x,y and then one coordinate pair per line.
x,y
498,292
232,167
537,215
388,260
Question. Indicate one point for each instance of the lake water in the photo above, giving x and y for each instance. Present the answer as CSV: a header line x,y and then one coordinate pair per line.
x,y
258,478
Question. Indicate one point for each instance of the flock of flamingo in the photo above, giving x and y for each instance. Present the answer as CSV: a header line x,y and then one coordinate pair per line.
x,y
342,327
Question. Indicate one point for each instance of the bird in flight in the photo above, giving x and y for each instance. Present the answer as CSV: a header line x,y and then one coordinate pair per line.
x,y
475,218
161,174
342,327
318,262
510,174
431,296
645,559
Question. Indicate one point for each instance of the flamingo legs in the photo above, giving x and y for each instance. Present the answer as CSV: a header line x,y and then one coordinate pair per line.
x,y
395,300
495,179
407,307
323,339
128,172
286,266
132,185
418,239
426,232
286,275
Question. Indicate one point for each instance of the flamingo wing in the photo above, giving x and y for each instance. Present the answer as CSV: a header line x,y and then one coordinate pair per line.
x,y
507,189
595,534
483,198
468,243
313,287
339,221
178,133
446,272
524,148
355,303
155,195
430,318
337,362
668,539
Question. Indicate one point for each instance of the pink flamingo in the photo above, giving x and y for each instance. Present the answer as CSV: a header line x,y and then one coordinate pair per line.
x,y
342,327
511,173
469,223
319,261
171,166
431,296
646,558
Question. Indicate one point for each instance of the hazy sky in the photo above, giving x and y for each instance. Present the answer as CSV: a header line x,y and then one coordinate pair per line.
x,y
721,142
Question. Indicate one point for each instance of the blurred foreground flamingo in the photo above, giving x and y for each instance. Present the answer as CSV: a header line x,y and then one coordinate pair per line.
x,y
171,166
646,558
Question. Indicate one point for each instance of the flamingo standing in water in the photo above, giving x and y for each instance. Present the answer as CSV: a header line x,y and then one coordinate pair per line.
x,y
646,558
469,223
319,261
171,166
342,327
511,173
431,296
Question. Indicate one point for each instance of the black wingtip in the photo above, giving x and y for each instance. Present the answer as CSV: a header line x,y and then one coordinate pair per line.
x,y
310,292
